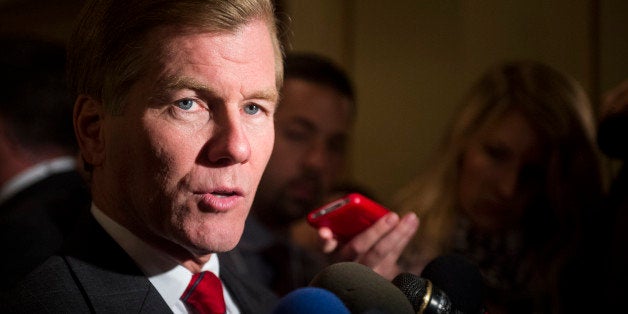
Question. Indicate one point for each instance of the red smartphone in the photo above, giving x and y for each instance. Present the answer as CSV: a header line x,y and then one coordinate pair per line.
x,y
347,216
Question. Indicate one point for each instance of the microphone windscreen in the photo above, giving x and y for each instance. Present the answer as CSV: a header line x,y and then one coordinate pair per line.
x,y
310,300
460,279
611,135
414,287
361,289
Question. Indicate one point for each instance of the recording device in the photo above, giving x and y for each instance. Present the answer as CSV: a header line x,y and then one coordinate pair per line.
x,y
423,295
460,279
611,135
449,284
362,290
347,216
310,300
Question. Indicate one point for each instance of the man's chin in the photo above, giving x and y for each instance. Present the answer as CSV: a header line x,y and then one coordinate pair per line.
x,y
217,244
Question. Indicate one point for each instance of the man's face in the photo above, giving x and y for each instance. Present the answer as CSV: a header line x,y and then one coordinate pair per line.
x,y
313,126
184,159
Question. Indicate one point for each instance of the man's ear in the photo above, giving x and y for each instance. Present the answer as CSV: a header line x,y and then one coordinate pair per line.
x,y
89,116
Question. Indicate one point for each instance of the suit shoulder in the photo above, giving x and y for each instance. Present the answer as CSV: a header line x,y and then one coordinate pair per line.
x,y
48,288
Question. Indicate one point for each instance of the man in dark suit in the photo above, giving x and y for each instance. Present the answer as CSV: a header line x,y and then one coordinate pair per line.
x,y
96,275
41,193
174,118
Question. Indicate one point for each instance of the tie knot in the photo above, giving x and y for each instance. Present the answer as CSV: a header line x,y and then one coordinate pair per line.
x,y
204,294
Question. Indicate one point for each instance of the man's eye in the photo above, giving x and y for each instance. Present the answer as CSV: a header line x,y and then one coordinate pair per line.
x,y
251,109
185,104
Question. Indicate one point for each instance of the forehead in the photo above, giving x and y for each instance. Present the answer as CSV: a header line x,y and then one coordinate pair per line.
x,y
239,44
250,46
314,101
512,129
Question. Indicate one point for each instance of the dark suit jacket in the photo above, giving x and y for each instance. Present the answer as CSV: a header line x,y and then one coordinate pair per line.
x,y
274,262
94,274
34,222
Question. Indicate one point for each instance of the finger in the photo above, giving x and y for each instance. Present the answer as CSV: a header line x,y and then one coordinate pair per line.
x,y
388,266
390,247
363,242
328,242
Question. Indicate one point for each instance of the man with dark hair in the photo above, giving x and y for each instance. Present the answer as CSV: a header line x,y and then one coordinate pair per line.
x,y
313,129
41,193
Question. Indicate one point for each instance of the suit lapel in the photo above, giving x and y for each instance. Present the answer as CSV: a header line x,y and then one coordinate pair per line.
x,y
112,282
108,276
250,296
114,292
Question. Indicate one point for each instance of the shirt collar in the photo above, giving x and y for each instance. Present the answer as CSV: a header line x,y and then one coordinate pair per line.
x,y
165,273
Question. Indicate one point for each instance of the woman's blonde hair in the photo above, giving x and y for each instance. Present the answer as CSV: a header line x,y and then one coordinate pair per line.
x,y
557,107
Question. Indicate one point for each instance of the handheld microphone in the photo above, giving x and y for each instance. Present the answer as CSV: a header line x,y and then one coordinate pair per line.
x,y
460,279
362,290
423,295
310,300
452,273
611,135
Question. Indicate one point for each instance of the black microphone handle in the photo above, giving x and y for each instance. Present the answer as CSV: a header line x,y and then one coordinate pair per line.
x,y
436,301
424,296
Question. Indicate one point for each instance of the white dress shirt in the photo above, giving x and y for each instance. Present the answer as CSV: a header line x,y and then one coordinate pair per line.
x,y
168,276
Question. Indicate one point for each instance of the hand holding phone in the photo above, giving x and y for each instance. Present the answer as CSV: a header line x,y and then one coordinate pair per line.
x,y
347,216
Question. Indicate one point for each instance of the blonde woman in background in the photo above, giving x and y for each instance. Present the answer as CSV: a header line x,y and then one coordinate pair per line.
x,y
511,188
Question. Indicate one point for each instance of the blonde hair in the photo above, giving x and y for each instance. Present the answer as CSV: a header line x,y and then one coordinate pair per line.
x,y
558,109
108,52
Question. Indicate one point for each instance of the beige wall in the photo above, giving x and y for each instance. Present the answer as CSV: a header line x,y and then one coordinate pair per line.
x,y
613,43
412,61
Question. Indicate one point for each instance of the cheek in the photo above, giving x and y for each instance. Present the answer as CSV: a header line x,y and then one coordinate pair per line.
x,y
285,156
133,159
464,187
174,146
334,169
281,150
262,150
471,177
169,160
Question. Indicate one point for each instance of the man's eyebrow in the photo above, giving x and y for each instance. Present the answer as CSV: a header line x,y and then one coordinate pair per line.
x,y
184,82
269,94
302,122
179,82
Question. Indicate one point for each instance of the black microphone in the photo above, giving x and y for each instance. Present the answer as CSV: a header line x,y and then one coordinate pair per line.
x,y
452,273
423,295
362,290
611,135
460,279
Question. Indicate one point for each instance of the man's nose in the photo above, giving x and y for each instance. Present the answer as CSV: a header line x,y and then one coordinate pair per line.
x,y
229,144
316,156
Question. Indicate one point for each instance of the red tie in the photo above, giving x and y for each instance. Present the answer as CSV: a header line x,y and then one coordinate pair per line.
x,y
204,294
